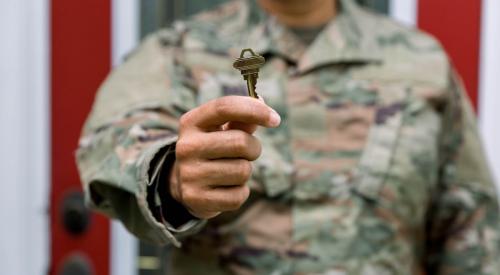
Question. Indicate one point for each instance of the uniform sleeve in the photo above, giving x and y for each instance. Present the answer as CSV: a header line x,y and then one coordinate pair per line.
x,y
129,133
463,220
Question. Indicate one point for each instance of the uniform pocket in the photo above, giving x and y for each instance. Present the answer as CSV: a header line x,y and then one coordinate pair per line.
x,y
378,153
399,162
342,222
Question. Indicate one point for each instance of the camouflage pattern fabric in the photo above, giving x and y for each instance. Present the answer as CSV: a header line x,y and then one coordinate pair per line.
x,y
377,167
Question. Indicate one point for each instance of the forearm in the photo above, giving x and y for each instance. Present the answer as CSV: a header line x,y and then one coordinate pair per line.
x,y
117,163
463,230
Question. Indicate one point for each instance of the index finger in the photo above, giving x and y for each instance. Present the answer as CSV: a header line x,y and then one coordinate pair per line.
x,y
233,109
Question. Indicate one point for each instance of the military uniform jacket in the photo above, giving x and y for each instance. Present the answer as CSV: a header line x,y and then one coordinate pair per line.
x,y
377,167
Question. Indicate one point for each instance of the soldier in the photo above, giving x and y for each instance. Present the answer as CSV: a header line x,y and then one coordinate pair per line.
x,y
361,157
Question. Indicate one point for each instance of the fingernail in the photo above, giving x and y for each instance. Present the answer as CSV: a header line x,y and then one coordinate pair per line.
x,y
261,98
274,119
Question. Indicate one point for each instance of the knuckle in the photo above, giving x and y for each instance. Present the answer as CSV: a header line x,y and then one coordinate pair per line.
x,y
238,198
184,148
188,173
184,120
181,151
223,105
233,204
256,111
245,168
247,171
257,150
189,195
239,142
244,194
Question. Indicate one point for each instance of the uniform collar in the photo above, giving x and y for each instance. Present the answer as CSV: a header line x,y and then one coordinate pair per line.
x,y
349,38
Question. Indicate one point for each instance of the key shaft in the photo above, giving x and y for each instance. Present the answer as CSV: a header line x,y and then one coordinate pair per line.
x,y
251,85
249,68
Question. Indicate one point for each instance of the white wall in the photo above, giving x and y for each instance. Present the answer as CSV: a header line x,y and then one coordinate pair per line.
x,y
24,137
489,92
404,11
125,36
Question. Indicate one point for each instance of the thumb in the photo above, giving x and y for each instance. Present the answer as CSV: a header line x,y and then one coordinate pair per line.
x,y
249,128
246,127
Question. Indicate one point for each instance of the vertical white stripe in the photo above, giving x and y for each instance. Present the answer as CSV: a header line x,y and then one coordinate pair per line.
x,y
125,36
24,137
404,11
489,96
125,28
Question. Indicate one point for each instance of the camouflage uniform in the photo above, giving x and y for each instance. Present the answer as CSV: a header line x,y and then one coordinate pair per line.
x,y
377,167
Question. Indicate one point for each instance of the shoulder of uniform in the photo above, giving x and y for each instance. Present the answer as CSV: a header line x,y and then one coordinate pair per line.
x,y
220,13
223,20
209,30
153,44
390,33
418,56
170,36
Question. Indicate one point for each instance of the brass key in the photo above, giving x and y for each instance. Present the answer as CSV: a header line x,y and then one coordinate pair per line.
x,y
249,67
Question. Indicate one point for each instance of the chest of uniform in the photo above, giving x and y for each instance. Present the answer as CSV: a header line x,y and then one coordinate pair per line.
x,y
357,156
335,125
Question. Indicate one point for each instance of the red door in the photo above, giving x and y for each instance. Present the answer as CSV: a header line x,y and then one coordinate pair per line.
x,y
457,24
80,57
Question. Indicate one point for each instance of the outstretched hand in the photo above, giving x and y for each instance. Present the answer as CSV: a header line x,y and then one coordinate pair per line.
x,y
214,153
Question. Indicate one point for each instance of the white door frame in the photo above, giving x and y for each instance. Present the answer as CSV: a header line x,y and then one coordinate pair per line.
x,y
404,11
24,137
125,37
489,95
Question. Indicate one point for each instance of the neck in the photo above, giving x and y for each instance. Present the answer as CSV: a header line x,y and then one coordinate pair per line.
x,y
301,13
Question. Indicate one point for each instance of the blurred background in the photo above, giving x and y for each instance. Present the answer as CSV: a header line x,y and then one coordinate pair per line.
x,y
53,56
